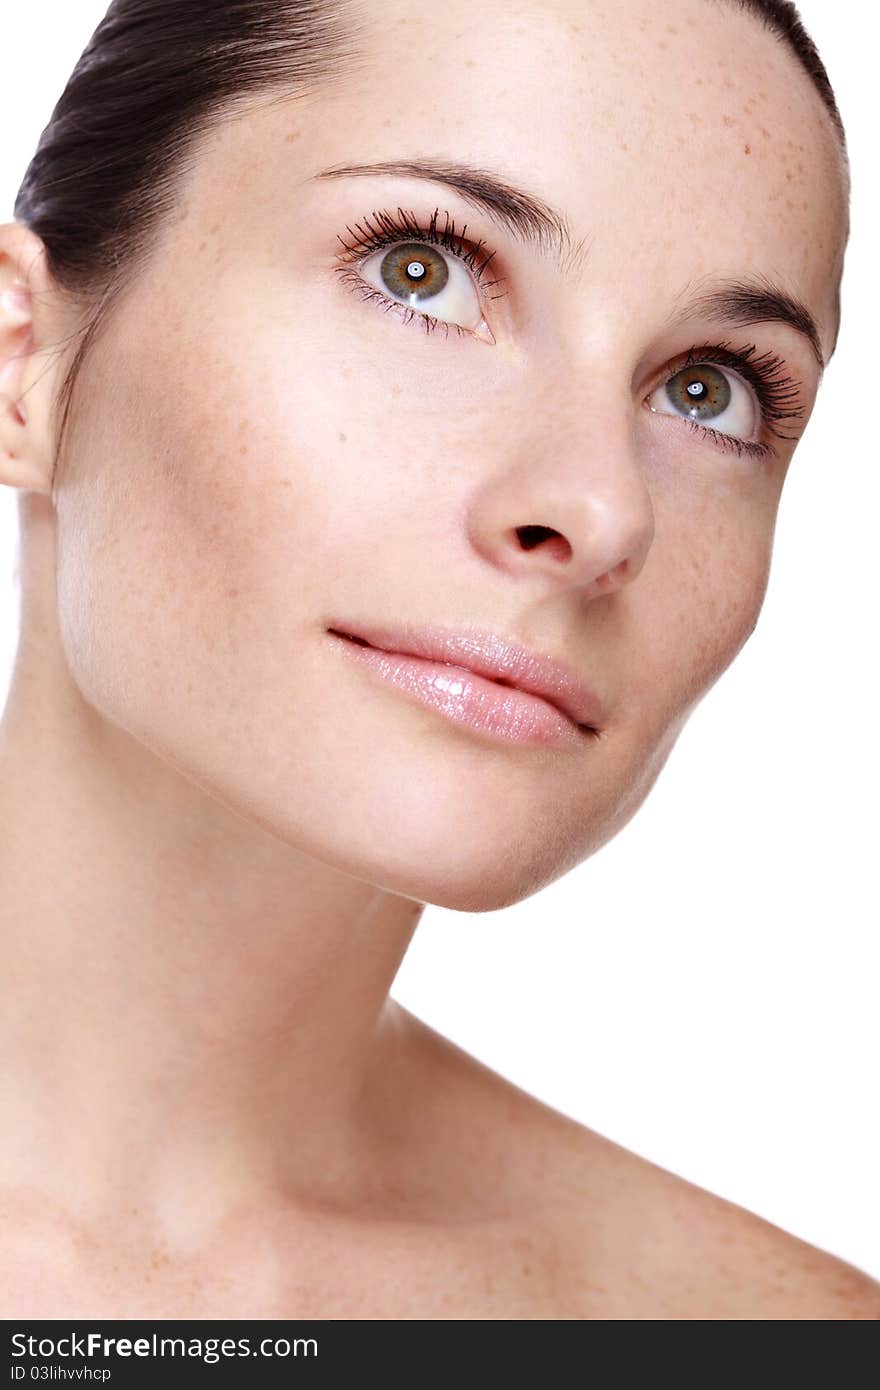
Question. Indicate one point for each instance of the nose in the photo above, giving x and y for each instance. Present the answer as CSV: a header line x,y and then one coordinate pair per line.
x,y
571,504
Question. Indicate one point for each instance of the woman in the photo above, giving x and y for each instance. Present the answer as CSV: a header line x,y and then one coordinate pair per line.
x,y
400,400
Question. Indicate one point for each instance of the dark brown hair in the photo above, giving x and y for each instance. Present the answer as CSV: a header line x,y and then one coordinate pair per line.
x,y
155,75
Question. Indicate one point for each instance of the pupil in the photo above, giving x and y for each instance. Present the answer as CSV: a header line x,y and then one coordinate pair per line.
x,y
415,269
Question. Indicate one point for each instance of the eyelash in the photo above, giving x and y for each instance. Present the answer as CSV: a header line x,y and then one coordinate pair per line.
x,y
765,372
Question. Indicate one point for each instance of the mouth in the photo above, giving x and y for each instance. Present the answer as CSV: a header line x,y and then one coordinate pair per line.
x,y
481,681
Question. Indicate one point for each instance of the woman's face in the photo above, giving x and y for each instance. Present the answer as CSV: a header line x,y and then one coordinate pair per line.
x,y
262,449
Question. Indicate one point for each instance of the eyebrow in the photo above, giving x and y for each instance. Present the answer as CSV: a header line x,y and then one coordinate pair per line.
x,y
533,222
757,300
523,215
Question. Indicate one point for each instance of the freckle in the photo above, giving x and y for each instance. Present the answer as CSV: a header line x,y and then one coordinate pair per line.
x,y
747,149
671,29
765,132
243,450
661,43
203,245
342,437
294,135
470,63
215,229
728,120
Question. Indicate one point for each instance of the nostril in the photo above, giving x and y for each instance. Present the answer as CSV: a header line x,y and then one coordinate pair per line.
x,y
554,544
530,536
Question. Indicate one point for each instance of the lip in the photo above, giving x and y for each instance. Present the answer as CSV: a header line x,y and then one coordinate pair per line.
x,y
514,693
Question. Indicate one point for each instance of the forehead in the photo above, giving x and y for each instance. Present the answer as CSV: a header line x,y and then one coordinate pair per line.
x,y
679,142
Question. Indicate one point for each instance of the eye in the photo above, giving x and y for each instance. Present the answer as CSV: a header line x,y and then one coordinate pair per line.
x,y
409,272
703,393
426,279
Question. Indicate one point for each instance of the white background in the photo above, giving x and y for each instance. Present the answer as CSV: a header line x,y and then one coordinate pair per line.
x,y
704,990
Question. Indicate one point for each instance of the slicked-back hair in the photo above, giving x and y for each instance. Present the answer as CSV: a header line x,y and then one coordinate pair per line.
x,y
157,74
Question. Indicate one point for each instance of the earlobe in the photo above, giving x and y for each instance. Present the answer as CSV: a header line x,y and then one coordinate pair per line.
x,y
17,467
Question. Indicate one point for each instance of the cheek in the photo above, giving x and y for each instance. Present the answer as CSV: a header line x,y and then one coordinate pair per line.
x,y
205,530
709,587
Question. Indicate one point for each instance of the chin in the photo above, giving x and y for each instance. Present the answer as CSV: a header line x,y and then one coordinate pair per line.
x,y
469,886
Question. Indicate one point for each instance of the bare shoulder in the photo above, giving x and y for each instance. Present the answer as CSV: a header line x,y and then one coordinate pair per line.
x,y
673,1250
620,1236
683,1252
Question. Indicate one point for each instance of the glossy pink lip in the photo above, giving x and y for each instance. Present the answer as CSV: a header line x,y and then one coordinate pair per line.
x,y
491,657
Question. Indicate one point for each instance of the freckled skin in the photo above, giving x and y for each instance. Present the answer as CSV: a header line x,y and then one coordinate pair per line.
x,y
244,830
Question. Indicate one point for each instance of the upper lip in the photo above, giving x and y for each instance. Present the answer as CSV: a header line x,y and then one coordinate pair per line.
x,y
487,654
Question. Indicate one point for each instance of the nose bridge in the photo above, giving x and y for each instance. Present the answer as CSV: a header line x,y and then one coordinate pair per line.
x,y
569,494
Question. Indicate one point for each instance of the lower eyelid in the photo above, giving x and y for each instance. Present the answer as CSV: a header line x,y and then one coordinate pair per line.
x,y
367,292
727,443
730,443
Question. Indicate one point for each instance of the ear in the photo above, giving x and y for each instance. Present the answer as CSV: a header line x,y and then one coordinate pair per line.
x,y
29,367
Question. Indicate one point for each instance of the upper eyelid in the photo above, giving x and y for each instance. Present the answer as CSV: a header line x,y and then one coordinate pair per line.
x,y
410,228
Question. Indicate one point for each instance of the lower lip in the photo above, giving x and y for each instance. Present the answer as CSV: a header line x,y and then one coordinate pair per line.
x,y
504,713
